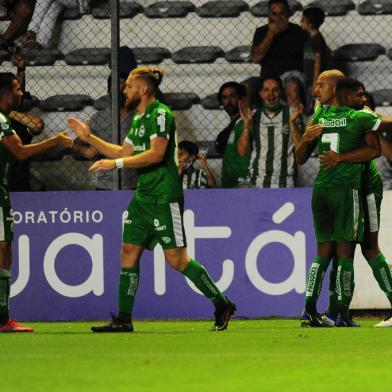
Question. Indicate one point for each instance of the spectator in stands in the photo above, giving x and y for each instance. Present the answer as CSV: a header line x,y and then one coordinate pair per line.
x,y
317,54
277,47
21,11
43,23
101,123
26,127
270,135
234,166
193,178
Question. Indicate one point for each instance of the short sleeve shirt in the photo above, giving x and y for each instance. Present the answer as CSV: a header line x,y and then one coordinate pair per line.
x,y
159,183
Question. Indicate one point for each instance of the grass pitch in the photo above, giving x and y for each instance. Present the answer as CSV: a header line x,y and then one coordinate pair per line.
x,y
257,355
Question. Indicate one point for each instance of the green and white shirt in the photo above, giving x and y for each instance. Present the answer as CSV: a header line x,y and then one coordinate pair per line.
x,y
344,131
234,166
6,159
159,183
272,161
194,179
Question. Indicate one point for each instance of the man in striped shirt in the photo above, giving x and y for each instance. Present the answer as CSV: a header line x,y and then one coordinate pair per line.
x,y
270,135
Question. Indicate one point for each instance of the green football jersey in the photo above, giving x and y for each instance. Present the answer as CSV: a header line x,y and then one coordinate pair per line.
x,y
234,166
6,159
161,182
344,131
372,181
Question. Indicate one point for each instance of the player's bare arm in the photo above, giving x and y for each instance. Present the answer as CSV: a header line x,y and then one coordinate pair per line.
x,y
110,150
22,152
147,158
295,133
370,150
386,147
307,143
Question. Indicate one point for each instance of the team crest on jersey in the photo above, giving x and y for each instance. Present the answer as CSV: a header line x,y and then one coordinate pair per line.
x,y
5,126
286,129
142,131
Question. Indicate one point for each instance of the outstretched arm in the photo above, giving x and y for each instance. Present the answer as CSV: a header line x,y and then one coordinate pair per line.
x,y
22,152
150,157
110,150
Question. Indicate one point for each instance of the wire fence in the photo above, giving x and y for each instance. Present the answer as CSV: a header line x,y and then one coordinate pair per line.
x,y
201,45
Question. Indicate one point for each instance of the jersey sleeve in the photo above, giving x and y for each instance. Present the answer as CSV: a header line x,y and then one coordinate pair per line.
x,y
5,128
367,121
161,124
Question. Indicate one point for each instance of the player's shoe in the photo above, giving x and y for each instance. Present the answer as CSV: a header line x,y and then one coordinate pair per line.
x,y
385,323
346,322
223,315
13,326
328,319
115,325
315,320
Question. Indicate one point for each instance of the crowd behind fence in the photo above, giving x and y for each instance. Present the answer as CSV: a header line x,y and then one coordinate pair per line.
x,y
65,46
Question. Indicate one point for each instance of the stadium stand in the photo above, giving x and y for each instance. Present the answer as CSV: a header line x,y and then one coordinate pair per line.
x,y
200,47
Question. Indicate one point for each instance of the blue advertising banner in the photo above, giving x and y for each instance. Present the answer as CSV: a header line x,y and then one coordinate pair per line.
x,y
256,244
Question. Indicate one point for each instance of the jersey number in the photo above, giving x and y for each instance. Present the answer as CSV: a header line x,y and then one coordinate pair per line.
x,y
332,139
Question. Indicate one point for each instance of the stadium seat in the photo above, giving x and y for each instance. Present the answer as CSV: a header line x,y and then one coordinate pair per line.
x,y
375,7
208,145
382,97
334,7
241,54
359,52
169,9
103,102
65,103
28,104
71,14
211,102
181,101
42,56
88,56
150,55
261,8
127,10
222,9
197,54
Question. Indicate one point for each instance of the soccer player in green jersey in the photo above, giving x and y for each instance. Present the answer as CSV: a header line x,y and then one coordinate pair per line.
x,y
155,213
336,203
11,148
372,193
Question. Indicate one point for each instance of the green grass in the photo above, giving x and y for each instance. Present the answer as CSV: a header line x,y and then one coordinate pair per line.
x,y
257,355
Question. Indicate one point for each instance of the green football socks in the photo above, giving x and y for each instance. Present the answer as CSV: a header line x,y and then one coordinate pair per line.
x,y
5,286
382,273
314,283
333,310
345,285
200,278
129,282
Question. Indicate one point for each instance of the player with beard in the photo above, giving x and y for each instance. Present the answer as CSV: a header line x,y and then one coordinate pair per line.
x,y
234,166
372,194
11,148
155,212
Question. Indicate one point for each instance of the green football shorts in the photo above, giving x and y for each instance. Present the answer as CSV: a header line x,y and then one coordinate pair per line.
x,y
148,224
337,214
6,224
371,208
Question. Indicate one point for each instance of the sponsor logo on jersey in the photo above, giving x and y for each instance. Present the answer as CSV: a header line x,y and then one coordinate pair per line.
x,y
166,240
333,123
157,227
141,147
312,279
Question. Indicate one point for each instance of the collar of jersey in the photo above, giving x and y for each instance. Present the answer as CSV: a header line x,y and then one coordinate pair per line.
x,y
150,107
